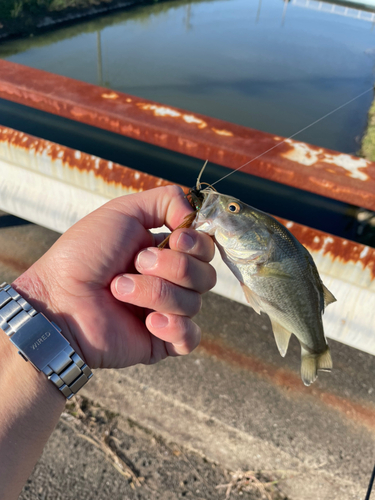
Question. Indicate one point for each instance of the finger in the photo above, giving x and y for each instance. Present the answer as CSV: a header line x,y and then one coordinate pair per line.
x,y
156,293
180,334
176,267
155,207
194,243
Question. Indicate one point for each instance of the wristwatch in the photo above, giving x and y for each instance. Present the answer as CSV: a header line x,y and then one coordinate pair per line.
x,y
40,341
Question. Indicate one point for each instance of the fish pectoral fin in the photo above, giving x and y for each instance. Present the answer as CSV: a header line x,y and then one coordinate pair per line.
x,y
273,272
311,363
251,297
282,337
328,296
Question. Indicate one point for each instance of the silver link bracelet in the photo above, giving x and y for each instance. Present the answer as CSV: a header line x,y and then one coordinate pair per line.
x,y
41,342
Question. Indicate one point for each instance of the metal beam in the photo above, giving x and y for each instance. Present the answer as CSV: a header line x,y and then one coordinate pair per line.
x,y
322,171
55,186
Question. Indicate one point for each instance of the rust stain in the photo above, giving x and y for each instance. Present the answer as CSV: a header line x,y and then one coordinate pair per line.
x,y
113,173
289,174
14,264
288,380
189,145
340,163
109,172
280,376
339,191
323,183
78,112
130,130
333,174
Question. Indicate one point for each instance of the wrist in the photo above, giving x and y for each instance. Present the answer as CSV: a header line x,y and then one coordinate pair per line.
x,y
37,289
38,339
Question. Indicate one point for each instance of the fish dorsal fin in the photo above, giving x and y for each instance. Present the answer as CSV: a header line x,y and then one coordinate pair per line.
x,y
282,336
328,297
251,297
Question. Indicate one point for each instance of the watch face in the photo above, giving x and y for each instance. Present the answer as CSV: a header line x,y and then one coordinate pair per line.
x,y
39,341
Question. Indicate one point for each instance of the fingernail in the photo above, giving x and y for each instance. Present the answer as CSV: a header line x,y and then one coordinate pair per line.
x,y
185,242
147,259
159,320
124,285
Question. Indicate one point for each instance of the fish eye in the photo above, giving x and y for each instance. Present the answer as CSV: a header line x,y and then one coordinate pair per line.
x,y
233,207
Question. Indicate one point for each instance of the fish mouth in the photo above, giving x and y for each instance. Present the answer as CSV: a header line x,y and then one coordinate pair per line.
x,y
202,224
207,213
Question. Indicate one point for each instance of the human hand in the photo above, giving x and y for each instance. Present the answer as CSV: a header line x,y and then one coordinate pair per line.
x,y
79,282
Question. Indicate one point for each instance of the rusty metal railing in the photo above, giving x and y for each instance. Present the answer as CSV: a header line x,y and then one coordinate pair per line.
x,y
55,186
77,182
319,170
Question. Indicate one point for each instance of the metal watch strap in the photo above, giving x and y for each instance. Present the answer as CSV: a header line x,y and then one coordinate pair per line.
x,y
40,341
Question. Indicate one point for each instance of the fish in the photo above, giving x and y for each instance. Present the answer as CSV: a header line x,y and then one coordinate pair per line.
x,y
277,273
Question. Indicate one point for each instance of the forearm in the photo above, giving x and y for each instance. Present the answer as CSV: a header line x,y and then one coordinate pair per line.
x,y
29,410
75,285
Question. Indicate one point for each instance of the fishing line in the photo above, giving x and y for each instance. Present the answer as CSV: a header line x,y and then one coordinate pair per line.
x,y
296,133
372,479
199,184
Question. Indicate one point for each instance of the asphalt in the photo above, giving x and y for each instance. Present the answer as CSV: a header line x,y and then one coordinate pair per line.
x,y
234,403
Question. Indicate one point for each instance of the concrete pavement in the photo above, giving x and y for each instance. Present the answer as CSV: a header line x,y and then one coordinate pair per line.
x,y
235,400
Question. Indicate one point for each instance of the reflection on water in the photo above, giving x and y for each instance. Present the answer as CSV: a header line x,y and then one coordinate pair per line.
x,y
341,8
267,64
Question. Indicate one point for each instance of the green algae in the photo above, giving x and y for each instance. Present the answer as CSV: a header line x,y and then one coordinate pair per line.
x,y
368,142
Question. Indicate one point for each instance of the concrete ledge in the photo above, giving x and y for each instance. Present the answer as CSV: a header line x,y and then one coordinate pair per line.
x,y
236,401
226,445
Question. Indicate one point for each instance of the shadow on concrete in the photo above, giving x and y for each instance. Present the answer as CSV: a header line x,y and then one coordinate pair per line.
x,y
12,221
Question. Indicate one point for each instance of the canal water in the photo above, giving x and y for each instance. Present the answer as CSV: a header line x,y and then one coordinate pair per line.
x,y
268,64
271,65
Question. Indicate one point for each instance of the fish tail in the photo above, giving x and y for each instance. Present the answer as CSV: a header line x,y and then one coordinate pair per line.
x,y
325,361
311,363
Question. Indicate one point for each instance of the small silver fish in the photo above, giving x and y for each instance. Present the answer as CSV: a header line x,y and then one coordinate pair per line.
x,y
277,274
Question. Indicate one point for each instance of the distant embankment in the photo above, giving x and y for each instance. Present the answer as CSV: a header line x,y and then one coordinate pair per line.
x,y
25,17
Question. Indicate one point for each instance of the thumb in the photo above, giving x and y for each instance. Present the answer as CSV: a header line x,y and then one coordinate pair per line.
x,y
156,207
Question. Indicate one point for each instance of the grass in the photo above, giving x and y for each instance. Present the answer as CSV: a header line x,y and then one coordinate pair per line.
x,y
15,9
368,141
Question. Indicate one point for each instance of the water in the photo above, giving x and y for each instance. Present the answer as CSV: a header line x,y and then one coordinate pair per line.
x,y
264,64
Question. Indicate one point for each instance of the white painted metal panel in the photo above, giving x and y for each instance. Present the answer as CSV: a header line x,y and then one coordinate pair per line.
x,y
41,182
